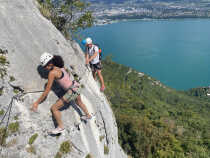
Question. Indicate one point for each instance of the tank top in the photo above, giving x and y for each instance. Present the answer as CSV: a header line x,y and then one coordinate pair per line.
x,y
65,81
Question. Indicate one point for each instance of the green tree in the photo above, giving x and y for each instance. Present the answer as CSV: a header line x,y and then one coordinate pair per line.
x,y
69,15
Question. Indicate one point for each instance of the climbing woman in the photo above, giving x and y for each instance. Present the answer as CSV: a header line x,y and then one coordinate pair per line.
x,y
55,65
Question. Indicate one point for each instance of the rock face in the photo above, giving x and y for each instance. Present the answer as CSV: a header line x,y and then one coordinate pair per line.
x,y
26,34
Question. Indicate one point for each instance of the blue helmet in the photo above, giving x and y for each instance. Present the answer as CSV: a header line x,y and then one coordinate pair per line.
x,y
84,42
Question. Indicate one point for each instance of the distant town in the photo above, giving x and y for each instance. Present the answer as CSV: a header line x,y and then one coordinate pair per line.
x,y
108,13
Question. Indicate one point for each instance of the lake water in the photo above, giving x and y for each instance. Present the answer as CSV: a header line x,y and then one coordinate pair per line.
x,y
176,52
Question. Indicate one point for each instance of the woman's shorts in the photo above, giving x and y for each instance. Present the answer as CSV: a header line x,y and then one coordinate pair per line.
x,y
70,95
95,67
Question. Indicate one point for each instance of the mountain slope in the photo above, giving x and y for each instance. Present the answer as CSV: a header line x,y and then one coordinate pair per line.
x,y
155,120
25,35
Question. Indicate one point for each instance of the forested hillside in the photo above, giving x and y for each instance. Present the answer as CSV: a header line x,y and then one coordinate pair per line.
x,y
155,121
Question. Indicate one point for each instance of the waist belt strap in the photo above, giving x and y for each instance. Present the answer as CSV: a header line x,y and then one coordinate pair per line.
x,y
74,85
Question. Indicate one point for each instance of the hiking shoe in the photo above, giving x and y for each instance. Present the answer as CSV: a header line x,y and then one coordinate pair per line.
x,y
86,118
57,130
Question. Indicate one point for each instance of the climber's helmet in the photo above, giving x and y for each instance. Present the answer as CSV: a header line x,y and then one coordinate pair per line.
x,y
45,58
87,41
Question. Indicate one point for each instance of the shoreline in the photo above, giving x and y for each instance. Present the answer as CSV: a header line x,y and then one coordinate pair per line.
x,y
108,21
159,22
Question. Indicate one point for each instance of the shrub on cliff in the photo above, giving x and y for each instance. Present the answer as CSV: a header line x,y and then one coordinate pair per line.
x,y
67,15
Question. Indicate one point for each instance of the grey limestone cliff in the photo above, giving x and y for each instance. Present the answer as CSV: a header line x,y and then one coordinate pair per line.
x,y
26,34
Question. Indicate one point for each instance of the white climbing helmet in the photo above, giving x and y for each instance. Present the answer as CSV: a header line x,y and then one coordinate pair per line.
x,y
45,58
89,40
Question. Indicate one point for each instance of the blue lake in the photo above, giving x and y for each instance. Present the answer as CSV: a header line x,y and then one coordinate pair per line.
x,y
176,52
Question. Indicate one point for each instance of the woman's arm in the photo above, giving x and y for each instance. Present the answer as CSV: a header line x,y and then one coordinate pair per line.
x,y
92,57
51,78
87,58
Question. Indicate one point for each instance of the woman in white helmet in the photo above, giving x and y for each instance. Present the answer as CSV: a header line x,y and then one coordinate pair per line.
x,y
57,72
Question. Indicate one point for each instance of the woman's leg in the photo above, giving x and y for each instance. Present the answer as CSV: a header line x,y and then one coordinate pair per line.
x,y
82,106
101,79
94,74
56,113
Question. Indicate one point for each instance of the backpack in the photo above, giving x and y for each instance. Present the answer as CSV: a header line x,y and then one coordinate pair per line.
x,y
100,51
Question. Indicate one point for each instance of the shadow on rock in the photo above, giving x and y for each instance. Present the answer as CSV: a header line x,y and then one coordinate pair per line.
x,y
55,135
